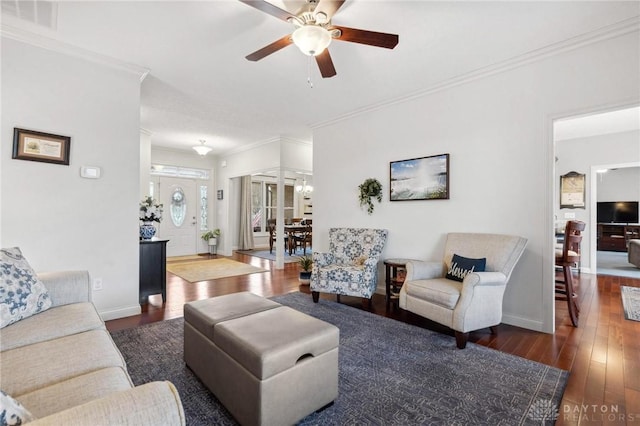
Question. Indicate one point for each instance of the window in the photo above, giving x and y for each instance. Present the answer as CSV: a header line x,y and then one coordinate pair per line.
x,y
178,207
203,208
264,203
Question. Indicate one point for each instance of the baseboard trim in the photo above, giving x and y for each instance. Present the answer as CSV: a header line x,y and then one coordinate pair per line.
x,y
120,313
527,323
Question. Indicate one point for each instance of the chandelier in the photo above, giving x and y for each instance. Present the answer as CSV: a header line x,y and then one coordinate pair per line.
x,y
304,188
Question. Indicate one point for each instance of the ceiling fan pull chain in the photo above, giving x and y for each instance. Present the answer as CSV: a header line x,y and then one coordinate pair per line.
x,y
309,72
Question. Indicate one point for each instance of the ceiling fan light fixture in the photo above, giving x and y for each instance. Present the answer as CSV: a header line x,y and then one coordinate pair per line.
x,y
311,39
202,149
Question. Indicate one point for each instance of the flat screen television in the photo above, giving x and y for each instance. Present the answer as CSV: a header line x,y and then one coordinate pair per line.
x,y
617,212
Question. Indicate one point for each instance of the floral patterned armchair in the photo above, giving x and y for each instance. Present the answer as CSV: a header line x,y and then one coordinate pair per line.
x,y
351,266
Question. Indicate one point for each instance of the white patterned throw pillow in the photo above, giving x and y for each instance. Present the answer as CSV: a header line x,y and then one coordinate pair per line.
x,y
12,412
22,294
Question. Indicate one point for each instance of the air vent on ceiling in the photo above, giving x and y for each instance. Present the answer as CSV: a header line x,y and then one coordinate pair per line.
x,y
39,12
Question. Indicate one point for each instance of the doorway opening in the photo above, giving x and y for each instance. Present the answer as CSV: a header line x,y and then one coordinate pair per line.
x,y
590,144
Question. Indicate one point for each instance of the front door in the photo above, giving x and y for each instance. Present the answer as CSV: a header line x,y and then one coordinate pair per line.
x,y
179,223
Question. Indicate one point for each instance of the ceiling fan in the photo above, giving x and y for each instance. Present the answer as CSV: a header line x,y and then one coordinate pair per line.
x,y
314,31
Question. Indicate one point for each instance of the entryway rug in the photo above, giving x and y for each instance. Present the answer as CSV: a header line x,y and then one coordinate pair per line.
x,y
390,373
203,270
187,257
631,302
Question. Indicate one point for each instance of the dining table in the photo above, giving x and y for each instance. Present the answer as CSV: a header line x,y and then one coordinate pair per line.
x,y
291,231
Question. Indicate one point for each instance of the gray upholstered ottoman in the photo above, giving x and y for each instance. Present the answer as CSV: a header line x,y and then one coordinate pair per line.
x,y
634,252
268,364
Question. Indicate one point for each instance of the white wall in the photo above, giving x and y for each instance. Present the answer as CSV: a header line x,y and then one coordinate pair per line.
x,y
145,162
498,131
60,220
620,184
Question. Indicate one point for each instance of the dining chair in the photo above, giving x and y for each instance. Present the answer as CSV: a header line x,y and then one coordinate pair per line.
x,y
566,258
302,239
273,238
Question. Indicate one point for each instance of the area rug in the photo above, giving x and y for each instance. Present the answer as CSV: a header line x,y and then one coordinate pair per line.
x,y
187,257
631,302
391,373
615,263
203,270
264,254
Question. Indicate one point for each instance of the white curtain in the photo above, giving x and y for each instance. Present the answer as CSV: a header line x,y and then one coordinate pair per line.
x,y
246,228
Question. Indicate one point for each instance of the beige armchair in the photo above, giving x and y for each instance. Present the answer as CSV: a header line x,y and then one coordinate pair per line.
x,y
476,301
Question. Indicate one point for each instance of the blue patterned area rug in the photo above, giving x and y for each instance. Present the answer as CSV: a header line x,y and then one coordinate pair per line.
x,y
391,373
631,302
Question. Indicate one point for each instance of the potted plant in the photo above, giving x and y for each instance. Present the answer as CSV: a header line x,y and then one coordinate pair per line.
x,y
305,262
368,189
211,237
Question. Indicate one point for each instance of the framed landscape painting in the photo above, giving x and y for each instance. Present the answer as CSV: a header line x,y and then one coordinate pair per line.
x,y
425,178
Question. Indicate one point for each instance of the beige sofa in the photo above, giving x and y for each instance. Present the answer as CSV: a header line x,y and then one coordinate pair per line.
x,y
64,368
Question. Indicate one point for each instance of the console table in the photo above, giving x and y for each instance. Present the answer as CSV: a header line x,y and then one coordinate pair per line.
x,y
153,269
615,237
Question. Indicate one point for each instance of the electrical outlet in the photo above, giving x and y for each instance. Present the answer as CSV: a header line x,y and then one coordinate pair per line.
x,y
97,284
569,215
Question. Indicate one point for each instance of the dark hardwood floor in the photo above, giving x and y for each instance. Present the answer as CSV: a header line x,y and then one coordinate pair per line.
x,y
602,354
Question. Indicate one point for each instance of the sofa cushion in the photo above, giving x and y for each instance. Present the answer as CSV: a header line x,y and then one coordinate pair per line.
x,y
22,294
56,322
461,266
32,367
342,274
76,391
439,291
13,412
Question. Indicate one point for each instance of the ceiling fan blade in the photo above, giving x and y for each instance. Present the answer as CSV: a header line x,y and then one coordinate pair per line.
x,y
372,38
325,64
269,9
271,48
329,7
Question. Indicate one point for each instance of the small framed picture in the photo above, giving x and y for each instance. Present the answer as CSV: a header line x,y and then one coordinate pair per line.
x,y
37,146
425,178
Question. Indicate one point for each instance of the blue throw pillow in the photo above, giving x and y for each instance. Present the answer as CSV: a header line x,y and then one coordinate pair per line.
x,y
461,266
12,412
22,294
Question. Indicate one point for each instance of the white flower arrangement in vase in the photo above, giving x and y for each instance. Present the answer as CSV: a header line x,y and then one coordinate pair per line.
x,y
150,210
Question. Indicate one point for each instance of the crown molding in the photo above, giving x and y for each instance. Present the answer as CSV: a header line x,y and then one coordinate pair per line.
x,y
57,46
619,29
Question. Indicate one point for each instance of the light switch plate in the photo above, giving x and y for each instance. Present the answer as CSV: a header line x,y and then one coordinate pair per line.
x,y
90,172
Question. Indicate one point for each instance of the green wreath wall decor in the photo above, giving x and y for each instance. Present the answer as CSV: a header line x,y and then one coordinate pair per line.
x,y
370,188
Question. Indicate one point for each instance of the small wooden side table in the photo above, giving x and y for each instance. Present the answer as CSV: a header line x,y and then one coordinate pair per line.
x,y
395,271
